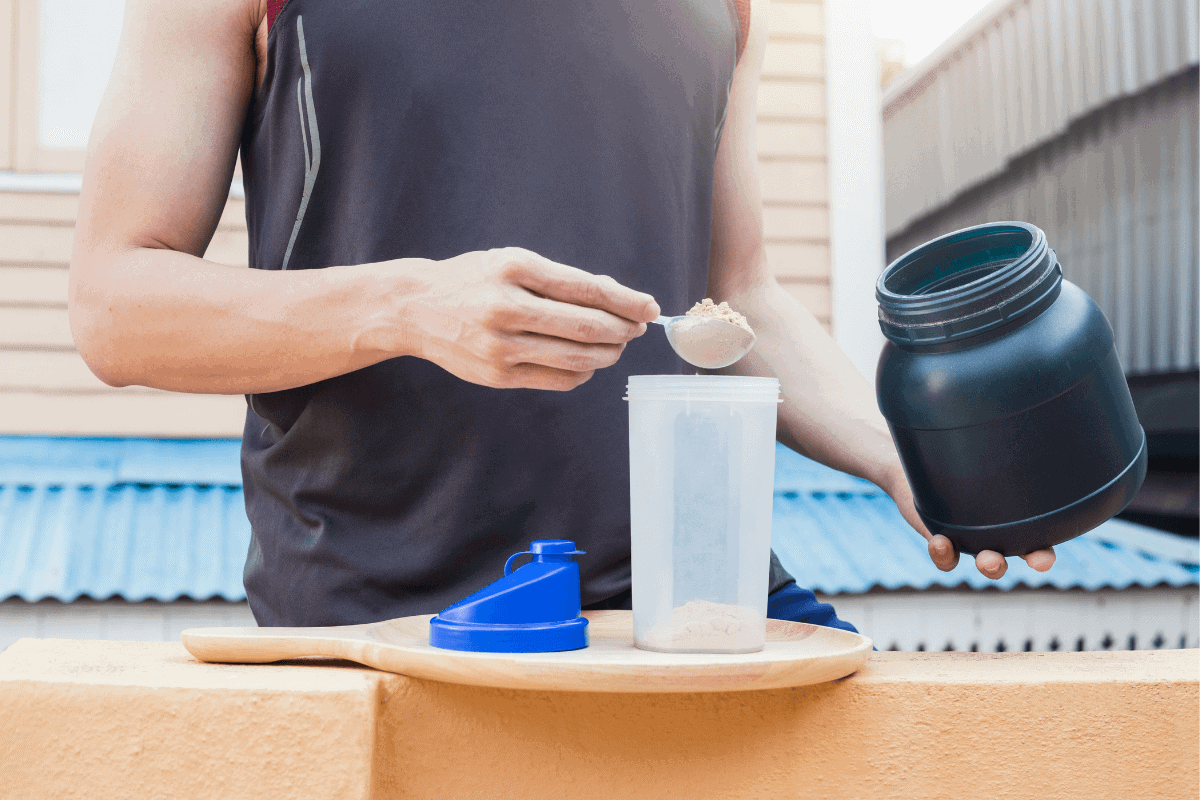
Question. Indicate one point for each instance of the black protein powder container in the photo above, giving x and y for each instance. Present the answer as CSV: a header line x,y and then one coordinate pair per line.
x,y
1001,385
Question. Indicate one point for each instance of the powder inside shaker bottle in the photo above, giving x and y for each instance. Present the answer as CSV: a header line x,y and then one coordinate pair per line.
x,y
703,623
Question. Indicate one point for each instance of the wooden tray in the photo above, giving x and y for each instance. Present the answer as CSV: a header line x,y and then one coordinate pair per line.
x,y
796,654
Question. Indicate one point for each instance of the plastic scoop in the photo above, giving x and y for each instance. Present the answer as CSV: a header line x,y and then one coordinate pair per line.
x,y
707,342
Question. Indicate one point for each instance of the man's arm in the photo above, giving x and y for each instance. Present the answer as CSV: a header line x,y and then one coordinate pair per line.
x,y
829,411
146,309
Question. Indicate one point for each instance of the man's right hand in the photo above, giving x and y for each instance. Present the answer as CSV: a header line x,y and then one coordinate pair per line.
x,y
146,309
509,318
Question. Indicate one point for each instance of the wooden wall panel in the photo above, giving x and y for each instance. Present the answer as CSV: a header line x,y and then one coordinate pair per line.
x,y
796,222
233,218
35,243
45,387
28,154
35,328
791,139
807,261
38,286
794,181
789,59
25,85
44,208
791,99
797,20
228,247
125,412
46,371
8,81
792,150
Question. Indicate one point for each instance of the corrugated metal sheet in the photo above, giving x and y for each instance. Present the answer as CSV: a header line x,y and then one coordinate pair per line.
x,y
133,541
838,534
1117,197
64,461
87,518
1014,78
1079,116
140,519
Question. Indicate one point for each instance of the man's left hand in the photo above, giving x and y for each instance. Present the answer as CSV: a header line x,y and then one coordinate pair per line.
x,y
990,563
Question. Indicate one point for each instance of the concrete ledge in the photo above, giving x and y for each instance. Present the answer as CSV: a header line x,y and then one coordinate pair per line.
x,y
83,719
126,720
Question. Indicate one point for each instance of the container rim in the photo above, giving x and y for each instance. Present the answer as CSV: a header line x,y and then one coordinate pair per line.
x,y
967,282
726,388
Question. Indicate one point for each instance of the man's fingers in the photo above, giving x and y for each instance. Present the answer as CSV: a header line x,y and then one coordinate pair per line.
x,y
564,355
577,287
991,564
575,323
537,376
942,552
1041,560
994,565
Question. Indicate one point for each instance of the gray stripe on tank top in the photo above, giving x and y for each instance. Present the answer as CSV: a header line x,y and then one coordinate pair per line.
x,y
312,152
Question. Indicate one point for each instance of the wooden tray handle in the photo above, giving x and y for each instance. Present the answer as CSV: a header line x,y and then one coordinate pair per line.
x,y
254,646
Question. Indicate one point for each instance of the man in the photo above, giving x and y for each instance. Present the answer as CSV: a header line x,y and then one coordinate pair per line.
x,y
462,215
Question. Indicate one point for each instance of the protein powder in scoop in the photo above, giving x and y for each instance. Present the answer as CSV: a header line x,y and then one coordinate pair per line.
x,y
722,311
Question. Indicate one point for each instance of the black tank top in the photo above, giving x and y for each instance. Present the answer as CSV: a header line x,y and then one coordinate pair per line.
x,y
584,130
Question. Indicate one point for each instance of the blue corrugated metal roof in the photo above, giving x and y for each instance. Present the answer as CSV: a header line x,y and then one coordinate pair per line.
x,y
839,534
135,541
30,461
159,519
141,519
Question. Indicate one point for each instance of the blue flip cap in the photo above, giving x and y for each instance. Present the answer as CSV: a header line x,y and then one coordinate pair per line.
x,y
532,609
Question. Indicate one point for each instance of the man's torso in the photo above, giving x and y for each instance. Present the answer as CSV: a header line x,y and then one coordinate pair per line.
x,y
583,131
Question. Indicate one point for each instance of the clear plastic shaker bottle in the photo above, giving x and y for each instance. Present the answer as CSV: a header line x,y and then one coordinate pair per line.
x,y
701,468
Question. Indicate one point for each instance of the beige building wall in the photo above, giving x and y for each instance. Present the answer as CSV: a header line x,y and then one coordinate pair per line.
x,y
7,81
45,388
792,153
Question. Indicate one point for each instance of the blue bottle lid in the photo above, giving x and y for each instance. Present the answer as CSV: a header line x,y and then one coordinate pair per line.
x,y
532,609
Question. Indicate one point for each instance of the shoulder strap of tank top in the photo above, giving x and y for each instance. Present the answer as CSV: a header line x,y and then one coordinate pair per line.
x,y
273,9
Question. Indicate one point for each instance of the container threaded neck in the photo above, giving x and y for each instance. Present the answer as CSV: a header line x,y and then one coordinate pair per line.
x,y
966,283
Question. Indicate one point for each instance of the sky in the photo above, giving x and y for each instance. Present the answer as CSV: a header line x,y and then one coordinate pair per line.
x,y
921,24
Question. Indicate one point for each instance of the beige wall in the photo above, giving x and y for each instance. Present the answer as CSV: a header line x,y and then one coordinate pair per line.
x,y
7,80
792,153
20,19
45,388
